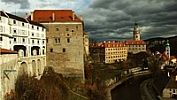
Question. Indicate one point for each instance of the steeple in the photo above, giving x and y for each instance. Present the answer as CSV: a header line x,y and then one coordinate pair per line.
x,y
136,32
167,49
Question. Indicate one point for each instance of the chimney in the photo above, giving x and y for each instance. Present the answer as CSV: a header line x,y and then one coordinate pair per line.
x,y
31,16
73,16
53,16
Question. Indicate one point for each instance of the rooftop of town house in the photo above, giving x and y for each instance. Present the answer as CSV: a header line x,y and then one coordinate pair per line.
x,y
45,16
8,15
135,42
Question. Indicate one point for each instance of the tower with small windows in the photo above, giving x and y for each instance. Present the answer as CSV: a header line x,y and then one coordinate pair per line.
x,y
136,32
65,41
167,49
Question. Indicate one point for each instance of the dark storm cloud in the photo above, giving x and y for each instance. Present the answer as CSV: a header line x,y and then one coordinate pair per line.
x,y
24,4
115,18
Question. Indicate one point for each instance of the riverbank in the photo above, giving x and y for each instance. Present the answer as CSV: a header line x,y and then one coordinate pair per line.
x,y
122,83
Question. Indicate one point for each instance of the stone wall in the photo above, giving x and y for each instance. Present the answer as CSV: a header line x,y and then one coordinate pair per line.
x,y
11,66
8,73
65,48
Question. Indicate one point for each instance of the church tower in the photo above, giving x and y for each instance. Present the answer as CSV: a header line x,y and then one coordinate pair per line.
x,y
167,49
136,32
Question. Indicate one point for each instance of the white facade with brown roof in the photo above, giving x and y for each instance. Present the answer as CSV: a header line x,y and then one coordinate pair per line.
x,y
27,38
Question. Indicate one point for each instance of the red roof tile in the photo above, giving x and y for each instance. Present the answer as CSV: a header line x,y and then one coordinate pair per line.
x,y
55,16
134,42
6,51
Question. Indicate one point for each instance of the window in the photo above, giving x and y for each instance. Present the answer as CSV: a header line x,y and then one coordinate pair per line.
x,y
72,30
64,50
47,40
43,42
37,34
33,41
14,21
15,40
38,41
43,52
32,27
15,31
57,40
67,29
23,40
51,50
57,29
0,38
68,40
174,91
32,34
1,29
67,34
37,28
23,32
23,24
76,27
0,18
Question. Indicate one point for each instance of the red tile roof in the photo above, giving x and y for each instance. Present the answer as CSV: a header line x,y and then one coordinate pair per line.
x,y
6,51
135,42
55,16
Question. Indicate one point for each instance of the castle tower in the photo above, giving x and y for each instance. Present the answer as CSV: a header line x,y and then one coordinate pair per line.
x,y
136,32
167,49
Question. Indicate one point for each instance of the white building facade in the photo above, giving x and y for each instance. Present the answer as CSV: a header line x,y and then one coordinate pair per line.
x,y
28,39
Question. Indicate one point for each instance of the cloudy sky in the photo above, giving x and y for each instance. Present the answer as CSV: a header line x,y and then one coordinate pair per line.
x,y
110,19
